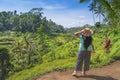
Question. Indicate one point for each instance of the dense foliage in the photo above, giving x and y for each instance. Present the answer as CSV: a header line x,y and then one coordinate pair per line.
x,y
60,53
109,9
28,22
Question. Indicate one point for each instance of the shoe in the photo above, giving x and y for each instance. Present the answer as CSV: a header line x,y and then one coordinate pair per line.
x,y
74,73
83,73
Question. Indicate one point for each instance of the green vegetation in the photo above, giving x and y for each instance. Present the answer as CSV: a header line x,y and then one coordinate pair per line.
x,y
5,64
31,45
62,54
38,70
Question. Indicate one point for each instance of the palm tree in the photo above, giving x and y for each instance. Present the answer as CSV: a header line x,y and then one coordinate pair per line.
x,y
29,47
91,8
82,1
17,48
107,10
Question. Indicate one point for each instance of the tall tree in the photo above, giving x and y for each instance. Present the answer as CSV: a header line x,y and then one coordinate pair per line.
x,y
110,13
92,8
4,63
37,11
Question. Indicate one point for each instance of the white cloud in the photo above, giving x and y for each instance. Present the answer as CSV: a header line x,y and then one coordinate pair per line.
x,y
70,18
52,7
82,17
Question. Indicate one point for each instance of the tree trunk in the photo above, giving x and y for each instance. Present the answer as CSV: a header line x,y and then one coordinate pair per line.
x,y
93,17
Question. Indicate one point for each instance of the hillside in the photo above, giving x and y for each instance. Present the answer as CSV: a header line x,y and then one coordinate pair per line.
x,y
63,55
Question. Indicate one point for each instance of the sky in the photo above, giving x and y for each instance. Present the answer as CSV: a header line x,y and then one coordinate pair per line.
x,y
69,13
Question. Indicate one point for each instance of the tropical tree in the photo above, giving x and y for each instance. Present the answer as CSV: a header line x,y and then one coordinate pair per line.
x,y
29,46
14,20
92,7
37,11
5,64
108,8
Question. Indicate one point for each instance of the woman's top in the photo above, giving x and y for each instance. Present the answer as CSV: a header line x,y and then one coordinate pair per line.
x,y
81,45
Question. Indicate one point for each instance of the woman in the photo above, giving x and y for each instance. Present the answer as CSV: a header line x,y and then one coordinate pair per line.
x,y
85,48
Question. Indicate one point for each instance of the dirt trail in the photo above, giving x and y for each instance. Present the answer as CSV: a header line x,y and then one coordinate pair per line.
x,y
109,72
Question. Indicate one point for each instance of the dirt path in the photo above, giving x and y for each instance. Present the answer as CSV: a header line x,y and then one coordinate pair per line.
x,y
109,72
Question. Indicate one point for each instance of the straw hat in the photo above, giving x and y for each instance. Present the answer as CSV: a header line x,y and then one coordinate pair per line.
x,y
87,32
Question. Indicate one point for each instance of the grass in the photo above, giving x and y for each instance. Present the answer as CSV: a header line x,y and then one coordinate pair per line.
x,y
30,74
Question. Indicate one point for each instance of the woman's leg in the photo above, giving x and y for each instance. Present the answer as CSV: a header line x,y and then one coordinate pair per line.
x,y
86,61
79,62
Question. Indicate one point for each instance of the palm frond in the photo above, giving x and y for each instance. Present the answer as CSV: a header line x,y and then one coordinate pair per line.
x,y
83,1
